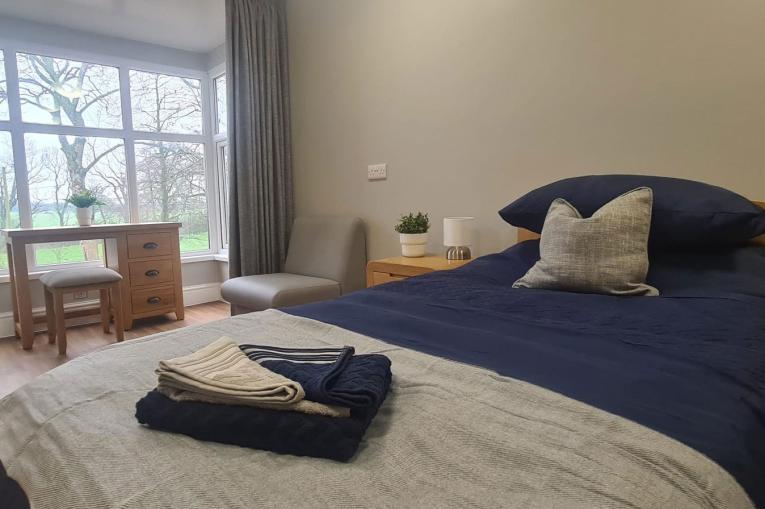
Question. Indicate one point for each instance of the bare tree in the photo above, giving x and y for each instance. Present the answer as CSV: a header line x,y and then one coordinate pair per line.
x,y
171,180
9,217
68,91
110,183
3,88
65,92
7,195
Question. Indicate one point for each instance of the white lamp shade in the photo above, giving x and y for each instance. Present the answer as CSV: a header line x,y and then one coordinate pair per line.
x,y
458,231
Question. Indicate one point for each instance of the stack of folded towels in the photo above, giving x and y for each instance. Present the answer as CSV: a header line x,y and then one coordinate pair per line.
x,y
308,402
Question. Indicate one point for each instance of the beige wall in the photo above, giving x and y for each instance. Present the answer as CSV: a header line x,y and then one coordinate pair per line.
x,y
474,102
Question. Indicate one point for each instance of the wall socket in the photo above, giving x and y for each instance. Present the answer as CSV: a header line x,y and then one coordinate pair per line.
x,y
80,295
377,171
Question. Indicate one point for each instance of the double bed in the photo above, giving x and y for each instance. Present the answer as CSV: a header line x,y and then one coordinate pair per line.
x,y
501,398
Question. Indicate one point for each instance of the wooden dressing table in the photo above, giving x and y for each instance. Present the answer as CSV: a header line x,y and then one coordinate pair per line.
x,y
147,255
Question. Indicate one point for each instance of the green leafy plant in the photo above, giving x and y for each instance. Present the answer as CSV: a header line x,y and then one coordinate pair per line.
x,y
412,223
84,199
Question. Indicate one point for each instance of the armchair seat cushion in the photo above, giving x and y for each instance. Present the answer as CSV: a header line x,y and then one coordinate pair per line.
x,y
264,291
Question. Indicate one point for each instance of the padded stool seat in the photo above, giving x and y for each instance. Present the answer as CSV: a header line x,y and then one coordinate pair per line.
x,y
79,277
256,293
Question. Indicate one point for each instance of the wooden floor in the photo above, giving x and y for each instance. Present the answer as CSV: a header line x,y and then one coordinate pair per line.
x,y
18,366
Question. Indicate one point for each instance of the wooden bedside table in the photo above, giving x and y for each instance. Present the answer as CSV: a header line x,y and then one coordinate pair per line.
x,y
401,267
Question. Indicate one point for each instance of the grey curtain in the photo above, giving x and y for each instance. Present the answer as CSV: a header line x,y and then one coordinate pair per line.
x,y
260,163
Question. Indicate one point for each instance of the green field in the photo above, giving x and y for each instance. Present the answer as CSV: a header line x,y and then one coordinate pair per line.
x,y
54,254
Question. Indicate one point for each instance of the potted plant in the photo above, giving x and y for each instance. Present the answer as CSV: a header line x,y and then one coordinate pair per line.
x,y
413,234
84,201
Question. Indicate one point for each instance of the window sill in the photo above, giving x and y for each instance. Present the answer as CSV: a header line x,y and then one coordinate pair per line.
x,y
194,258
218,257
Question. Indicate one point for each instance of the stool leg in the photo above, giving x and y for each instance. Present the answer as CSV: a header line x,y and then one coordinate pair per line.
x,y
50,316
105,316
116,294
58,306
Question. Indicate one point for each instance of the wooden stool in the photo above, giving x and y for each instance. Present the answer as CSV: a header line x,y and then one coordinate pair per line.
x,y
59,282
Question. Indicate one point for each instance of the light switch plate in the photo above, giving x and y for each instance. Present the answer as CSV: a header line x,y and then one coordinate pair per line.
x,y
377,171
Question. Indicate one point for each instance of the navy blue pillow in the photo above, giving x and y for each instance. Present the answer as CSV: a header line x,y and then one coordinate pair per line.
x,y
685,213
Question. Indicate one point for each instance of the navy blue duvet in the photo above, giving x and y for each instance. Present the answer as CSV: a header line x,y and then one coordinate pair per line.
x,y
689,364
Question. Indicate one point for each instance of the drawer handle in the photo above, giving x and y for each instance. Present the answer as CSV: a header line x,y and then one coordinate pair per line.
x,y
152,273
154,300
151,245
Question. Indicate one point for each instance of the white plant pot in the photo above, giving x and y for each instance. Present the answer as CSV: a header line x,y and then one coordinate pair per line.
x,y
413,244
84,216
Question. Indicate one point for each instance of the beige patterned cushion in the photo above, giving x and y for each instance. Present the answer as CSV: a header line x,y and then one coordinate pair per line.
x,y
606,253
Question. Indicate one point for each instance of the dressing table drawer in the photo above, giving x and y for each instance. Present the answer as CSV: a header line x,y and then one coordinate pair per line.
x,y
145,245
152,300
151,272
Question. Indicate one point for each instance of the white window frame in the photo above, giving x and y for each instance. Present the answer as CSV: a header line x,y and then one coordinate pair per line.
x,y
220,140
18,129
220,164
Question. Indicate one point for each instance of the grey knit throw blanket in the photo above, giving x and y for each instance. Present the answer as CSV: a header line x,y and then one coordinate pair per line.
x,y
220,373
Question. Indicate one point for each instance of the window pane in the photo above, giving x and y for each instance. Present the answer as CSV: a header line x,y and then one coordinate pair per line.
x,y
223,168
9,210
220,104
58,166
61,253
171,187
166,104
3,89
67,92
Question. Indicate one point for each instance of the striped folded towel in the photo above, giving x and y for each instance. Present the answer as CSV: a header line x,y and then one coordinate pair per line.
x,y
330,375
220,373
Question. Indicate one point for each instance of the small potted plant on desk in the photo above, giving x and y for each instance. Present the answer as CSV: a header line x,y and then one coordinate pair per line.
x,y
84,201
413,234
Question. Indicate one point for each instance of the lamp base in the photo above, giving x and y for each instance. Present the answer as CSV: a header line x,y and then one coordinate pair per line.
x,y
458,253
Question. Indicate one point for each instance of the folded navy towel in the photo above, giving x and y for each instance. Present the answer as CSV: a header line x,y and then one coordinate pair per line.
x,y
333,376
283,432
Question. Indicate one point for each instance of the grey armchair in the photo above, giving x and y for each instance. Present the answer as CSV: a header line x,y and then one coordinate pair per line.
x,y
326,258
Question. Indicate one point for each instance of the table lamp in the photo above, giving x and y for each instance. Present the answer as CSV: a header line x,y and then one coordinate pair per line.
x,y
457,237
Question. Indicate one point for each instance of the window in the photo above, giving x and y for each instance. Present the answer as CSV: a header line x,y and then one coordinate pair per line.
x,y
3,89
9,210
221,112
135,138
221,153
171,187
65,92
58,166
166,104
222,162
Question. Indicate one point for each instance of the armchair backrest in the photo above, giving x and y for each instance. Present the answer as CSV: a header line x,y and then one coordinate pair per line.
x,y
329,247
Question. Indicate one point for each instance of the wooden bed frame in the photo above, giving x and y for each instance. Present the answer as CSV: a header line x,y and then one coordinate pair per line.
x,y
524,234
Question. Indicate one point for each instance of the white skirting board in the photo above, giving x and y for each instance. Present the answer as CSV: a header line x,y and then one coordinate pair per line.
x,y
199,294
192,295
